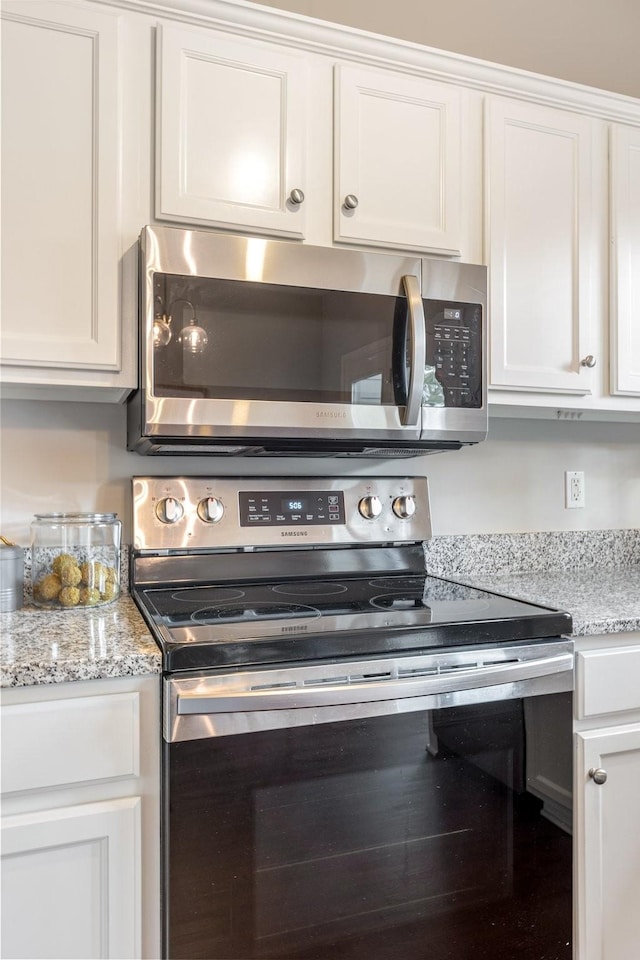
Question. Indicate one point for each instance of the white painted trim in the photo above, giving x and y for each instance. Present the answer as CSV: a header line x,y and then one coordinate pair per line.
x,y
320,36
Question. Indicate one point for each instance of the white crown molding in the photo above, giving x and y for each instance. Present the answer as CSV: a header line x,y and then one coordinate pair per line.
x,y
321,37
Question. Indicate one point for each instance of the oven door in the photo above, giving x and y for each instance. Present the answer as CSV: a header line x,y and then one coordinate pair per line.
x,y
308,815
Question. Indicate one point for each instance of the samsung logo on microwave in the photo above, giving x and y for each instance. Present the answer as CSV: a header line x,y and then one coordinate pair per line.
x,y
330,414
293,533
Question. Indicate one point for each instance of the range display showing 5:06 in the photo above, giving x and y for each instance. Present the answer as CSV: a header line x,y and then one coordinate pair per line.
x,y
292,506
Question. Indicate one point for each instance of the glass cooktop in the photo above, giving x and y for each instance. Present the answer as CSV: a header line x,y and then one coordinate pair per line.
x,y
250,623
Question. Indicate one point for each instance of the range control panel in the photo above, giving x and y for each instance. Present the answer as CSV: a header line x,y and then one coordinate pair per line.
x,y
295,507
202,513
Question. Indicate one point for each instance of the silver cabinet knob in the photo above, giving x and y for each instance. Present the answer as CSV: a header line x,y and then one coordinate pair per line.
x,y
169,510
598,775
296,196
210,509
370,507
350,202
589,361
404,507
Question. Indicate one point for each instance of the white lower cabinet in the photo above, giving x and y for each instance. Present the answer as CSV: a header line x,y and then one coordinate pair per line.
x,y
610,843
76,870
80,820
607,800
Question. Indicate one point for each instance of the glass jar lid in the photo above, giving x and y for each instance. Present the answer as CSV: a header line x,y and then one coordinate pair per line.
x,y
77,517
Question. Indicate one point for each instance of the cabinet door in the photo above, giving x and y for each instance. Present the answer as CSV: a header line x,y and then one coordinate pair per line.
x,y
538,207
70,883
231,131
60,170
625,260
397,160
608,844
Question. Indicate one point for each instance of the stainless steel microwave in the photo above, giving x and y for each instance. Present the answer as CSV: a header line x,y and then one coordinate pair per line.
x,y
253,347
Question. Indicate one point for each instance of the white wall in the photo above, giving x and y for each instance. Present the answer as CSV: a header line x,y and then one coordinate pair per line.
x,y
67,456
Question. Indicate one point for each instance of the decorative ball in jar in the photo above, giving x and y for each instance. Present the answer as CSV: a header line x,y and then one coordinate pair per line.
x,y
75,559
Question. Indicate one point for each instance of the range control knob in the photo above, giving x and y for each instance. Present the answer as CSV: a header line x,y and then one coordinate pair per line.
x,y
169,510
210,509
370,507
404,507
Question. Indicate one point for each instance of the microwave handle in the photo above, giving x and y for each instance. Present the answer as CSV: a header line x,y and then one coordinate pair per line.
x,y
418,350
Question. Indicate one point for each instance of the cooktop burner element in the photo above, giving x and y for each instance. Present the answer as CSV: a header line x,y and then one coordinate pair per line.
x,y
213,595
229,591
305,589
232,613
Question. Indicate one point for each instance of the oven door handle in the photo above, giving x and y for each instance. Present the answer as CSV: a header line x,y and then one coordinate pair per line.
x,y
366,690
418,350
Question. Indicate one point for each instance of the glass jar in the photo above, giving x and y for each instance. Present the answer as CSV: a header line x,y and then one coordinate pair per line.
x,y
75,559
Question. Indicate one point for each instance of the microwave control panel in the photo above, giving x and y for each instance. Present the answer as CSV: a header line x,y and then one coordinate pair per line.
x,y
454,353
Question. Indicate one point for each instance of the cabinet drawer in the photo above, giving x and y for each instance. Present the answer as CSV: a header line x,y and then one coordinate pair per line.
x,y
56,742
607,681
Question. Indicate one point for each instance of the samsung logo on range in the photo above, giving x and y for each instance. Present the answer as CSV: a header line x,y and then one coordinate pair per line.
x,y
330,414
293,533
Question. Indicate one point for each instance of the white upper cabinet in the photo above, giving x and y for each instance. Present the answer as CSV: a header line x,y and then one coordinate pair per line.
x,y
625,259
397,160
231,131
245,135
540,245
61,159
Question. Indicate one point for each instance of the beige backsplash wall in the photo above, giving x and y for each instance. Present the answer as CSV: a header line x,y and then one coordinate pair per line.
x,y
68,456
586,41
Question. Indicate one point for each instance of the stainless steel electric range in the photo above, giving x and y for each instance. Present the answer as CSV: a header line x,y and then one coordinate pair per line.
x,y
347,740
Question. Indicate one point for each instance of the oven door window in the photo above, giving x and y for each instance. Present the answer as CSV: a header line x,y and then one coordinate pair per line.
x,y
260,341
412,835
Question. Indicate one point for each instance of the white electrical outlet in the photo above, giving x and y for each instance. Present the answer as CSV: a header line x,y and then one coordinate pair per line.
x,y
573,489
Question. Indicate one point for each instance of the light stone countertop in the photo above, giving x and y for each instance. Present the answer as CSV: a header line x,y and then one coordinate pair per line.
x,y
41,646
600,600
49,646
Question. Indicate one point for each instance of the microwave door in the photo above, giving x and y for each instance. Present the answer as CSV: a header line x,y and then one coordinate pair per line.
x,y
292,362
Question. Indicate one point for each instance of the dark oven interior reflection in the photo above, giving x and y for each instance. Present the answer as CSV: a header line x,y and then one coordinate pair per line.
x,y
408,836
